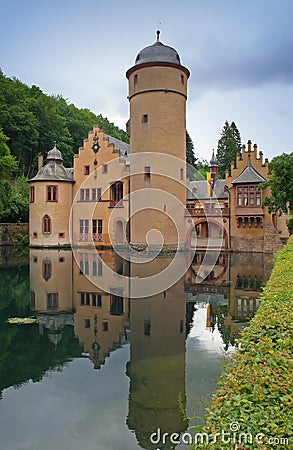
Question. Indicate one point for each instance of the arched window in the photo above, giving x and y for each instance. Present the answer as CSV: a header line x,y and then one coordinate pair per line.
x,y
47,270
47,224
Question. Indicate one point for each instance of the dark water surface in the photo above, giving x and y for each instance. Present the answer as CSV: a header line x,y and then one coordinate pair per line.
x,y
99,370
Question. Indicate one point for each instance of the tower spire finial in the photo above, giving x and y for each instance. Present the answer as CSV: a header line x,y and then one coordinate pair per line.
x,y
158,34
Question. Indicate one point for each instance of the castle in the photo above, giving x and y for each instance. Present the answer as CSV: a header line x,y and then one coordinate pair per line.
x,y
138,193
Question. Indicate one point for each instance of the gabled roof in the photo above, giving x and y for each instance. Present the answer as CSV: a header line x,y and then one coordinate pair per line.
x,y
199,190
248,175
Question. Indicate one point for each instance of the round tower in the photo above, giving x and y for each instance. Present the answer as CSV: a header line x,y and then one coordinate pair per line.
x,y
50,202
157,125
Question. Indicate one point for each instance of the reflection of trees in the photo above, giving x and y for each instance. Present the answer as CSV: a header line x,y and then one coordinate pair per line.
x,y
226,330
25,354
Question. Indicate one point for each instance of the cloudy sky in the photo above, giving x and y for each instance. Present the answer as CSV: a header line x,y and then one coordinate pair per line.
x,y
239,54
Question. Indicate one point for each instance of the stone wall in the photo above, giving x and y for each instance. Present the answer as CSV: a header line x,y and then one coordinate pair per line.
x,y
247,244
13,233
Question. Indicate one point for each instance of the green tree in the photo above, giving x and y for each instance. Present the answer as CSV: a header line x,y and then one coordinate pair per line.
x,y
229,145
190,158
281,183
7,162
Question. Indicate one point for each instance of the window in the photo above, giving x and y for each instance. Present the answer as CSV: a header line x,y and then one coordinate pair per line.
x,y
97,226
52,300
116,193
248,196
87,195
94,299
52,193
135,79
105,168
47,270
86,170
98,268
105,326
62,235
84,226
147,327
147,175
47,224
181,174
144,118
116,305
87,323
182,79
81,195
32,194
96,194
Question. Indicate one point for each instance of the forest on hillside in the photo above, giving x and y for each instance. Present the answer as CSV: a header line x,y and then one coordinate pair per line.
x,y
32,121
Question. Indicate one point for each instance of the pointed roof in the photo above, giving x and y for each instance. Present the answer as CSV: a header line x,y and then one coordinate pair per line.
x,y
248,175
213,161
53,170
158,52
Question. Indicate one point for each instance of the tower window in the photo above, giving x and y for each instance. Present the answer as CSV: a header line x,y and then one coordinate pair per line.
x,y
145,118
52,193
105,168
181,174
182,79
147,174
47,270
32,194
52,300
47,224
135,79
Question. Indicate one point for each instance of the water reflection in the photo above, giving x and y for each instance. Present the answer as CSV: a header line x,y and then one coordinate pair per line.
x,y
175,337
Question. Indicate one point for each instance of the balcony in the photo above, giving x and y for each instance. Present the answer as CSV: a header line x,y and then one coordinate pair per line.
x,y
207,212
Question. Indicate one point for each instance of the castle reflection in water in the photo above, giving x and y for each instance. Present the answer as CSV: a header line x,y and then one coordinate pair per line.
x,y
64,292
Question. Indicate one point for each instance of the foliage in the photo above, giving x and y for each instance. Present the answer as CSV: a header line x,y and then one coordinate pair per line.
x,y
290,225
255,390
21,361
33,121
203,167
229,145
14,201
190,157
281,183
7,162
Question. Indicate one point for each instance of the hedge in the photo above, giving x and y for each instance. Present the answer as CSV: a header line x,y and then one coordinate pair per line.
x,y
252,407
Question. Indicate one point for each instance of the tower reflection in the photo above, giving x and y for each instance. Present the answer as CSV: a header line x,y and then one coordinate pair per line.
x,y
157,360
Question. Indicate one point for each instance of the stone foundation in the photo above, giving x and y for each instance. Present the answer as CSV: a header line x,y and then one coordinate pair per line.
x,y
247,244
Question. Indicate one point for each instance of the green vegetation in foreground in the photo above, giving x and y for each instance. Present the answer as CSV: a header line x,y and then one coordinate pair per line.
x,y
255,389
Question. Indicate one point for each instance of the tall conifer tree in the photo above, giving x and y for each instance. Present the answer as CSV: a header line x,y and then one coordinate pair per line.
x,y
229,145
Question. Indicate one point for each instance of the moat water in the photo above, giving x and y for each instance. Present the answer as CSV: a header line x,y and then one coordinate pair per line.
x,y
98,370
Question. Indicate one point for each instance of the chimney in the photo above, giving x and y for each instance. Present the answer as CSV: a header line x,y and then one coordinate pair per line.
x,y
249,145
40,162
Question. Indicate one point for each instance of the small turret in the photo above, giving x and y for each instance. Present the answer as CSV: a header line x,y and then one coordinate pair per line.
x,y
214,165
